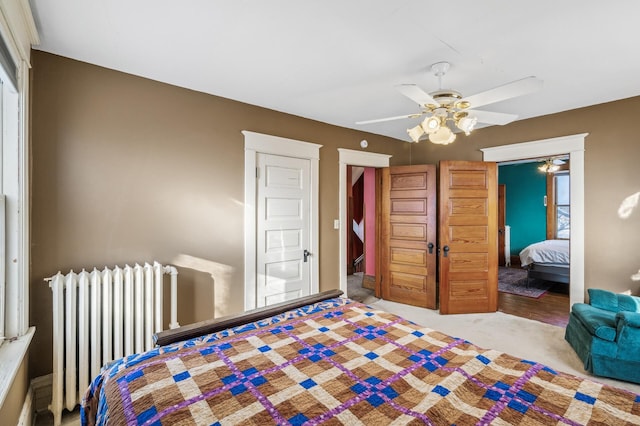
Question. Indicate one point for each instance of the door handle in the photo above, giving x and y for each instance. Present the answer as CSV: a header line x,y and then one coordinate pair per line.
x,y
430,247
446,250
306,254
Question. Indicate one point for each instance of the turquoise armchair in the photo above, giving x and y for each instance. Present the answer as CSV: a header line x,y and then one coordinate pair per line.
x,y
606,334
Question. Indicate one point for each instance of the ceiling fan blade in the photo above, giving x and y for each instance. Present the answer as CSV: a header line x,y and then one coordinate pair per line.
x,y
491,117
416,94
507,91
380,120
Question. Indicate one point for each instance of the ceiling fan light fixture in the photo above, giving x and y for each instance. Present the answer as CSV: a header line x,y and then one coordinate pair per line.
x,y
430,124
415,133
442,136
549,166
449,108
466,124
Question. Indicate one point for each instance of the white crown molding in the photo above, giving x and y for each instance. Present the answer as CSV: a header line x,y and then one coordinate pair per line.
x,y
29,22
19,28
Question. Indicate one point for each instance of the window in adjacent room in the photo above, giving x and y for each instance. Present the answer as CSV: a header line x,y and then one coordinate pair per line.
x,y
562,205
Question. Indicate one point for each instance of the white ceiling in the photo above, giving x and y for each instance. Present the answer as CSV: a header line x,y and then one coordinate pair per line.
x,y
337,61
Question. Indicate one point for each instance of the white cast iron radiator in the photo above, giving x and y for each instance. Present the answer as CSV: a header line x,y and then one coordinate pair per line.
x,y
100,316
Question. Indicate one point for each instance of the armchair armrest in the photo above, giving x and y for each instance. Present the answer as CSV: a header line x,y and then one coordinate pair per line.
x,y
626,318
628,335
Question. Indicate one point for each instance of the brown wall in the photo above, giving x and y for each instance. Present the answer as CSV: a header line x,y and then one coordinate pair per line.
x,y
127,169
612,172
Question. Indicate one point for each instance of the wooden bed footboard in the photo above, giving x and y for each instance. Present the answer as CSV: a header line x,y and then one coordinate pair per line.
x,y
211,326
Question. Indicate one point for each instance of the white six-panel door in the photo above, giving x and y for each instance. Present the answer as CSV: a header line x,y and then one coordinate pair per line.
x,y
272,268
283,226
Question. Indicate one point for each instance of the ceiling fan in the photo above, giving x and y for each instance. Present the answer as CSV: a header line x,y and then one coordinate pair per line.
x,y
446,109
551,165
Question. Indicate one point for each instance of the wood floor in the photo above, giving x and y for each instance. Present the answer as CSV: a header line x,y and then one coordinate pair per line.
x,y
551,308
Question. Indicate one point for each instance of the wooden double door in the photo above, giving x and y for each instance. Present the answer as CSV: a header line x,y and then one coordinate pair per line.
x,y
439,236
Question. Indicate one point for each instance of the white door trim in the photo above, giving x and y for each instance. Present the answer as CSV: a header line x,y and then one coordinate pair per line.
x,y
349,157
574,145
255,143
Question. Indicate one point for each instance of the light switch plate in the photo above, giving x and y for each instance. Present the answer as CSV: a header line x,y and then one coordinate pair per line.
x,y
336,224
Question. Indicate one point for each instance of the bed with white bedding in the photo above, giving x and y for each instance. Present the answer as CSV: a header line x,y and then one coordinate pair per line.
x,y
547,260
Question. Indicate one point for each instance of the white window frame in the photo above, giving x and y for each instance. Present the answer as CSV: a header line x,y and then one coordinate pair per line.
x,y
13,186
18,32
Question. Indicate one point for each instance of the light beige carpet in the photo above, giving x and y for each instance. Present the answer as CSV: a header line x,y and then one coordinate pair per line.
x,y
524,338
356,291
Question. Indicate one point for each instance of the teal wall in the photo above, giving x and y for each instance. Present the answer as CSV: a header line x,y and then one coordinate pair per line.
x,y
526,214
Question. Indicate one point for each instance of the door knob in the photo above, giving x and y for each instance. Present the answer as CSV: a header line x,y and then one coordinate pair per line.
x,y
306,254
430,246
446,250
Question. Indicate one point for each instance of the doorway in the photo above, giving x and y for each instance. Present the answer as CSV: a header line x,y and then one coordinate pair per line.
x,y
535,233
361,234
574,146
348,157
301,251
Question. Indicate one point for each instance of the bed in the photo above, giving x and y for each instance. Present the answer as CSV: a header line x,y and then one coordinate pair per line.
x,y
547,260
336,361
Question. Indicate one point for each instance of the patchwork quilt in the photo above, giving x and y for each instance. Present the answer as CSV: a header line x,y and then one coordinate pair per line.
x,y
341,362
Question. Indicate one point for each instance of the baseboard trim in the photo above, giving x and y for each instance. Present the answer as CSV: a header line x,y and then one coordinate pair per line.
x,y
369,281
42,392
26,415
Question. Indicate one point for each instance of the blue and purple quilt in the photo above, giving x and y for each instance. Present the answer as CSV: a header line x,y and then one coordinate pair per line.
x,y
340,362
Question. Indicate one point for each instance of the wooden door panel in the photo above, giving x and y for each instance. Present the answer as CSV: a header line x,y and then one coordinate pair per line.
x,y
409,256
468,228
475,234
407,226
409,207
467,292
409,181
467,206
408,281
468,179
469,262
409,231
